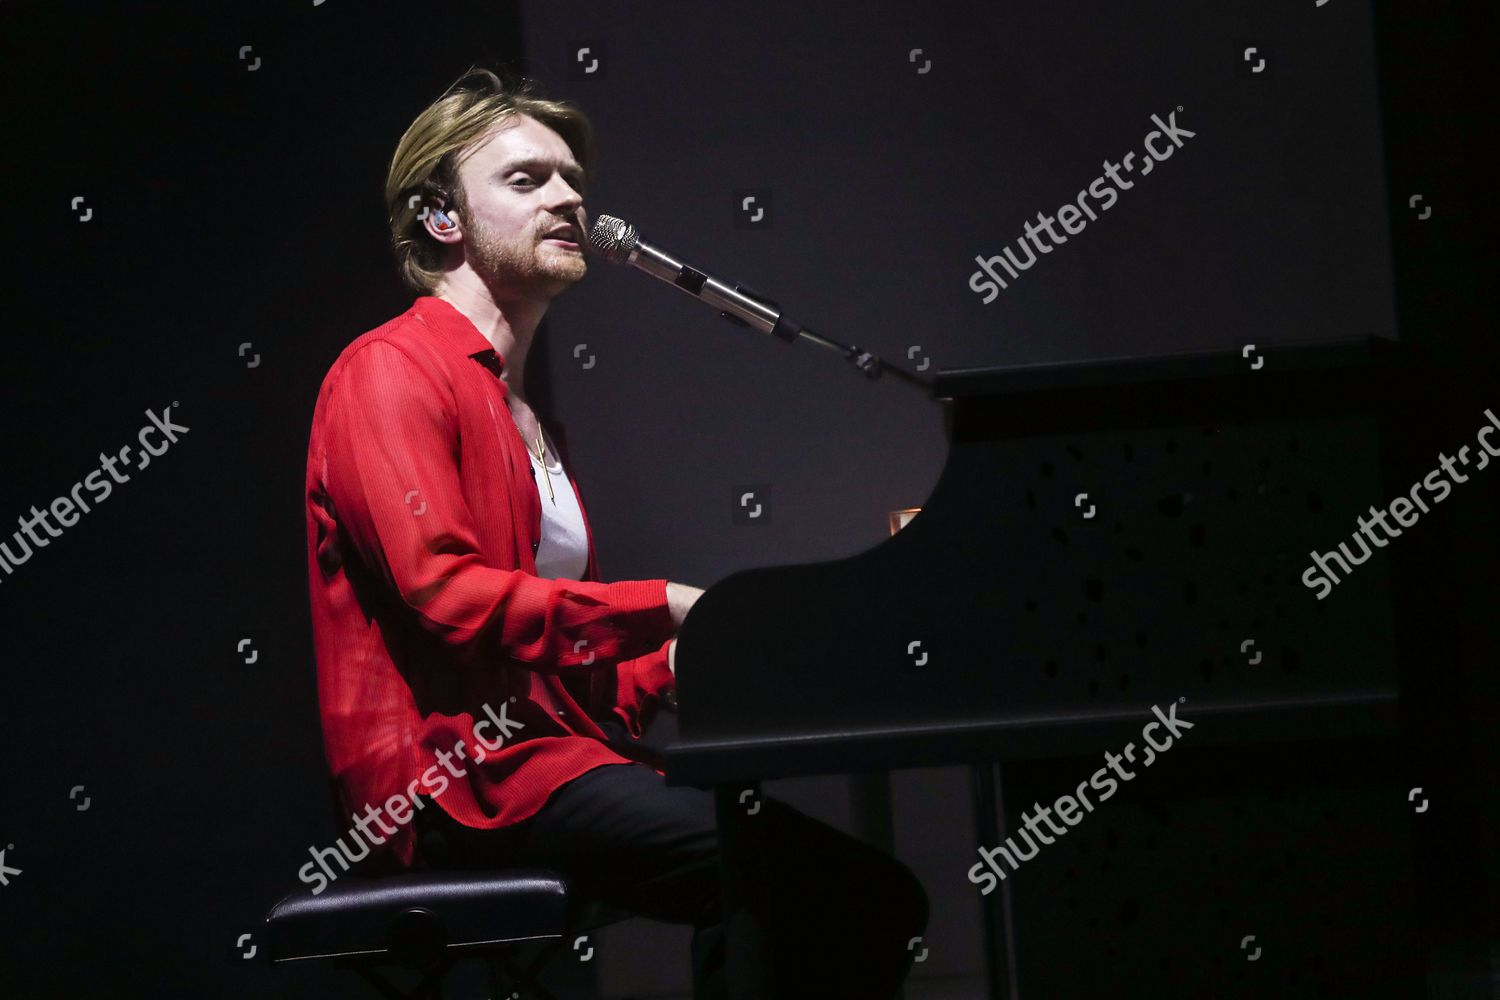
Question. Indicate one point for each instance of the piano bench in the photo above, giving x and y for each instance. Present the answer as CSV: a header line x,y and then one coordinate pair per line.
x,y
426,922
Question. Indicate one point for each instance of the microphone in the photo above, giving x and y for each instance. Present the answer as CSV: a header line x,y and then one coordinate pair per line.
x,y
618,242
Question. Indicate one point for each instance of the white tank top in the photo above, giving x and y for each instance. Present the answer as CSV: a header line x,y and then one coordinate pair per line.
x,y
564,550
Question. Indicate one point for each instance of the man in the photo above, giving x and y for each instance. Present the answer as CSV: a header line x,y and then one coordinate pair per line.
x,y
472,666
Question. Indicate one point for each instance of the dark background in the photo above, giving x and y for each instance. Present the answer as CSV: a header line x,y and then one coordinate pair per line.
x,y
233,207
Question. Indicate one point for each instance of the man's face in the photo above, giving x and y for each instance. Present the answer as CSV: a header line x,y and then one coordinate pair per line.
x,y
521,185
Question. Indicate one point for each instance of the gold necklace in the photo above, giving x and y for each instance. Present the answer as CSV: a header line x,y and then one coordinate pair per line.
x,y
541,458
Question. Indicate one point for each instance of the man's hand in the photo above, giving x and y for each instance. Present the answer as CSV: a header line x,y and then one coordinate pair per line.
x,y
670,699
680,600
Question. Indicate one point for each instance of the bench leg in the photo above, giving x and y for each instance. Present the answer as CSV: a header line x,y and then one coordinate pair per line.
x,y
523,978
430,985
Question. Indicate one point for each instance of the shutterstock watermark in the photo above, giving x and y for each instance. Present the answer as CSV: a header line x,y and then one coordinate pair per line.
x,y
65,509
1067,807
1402,510
1105,190
399,807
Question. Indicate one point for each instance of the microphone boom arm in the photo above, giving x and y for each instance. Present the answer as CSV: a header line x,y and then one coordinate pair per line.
x,y
619,242
872,366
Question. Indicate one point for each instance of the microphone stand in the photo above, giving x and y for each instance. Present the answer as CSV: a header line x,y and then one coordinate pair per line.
x,y
620,243
871,365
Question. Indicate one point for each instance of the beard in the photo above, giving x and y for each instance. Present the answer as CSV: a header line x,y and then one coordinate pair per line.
x,y
522,265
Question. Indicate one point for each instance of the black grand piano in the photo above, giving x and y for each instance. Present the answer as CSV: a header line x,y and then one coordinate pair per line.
x,y
1104,537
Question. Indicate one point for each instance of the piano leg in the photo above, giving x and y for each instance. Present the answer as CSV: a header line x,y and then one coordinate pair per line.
x,y
874,820
999,954
746,903
870,809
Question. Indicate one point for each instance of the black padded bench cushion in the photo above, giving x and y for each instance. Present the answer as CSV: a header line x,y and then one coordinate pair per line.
x,y
357,916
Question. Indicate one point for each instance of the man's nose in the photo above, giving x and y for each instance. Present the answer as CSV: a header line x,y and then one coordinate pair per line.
x,y
564,199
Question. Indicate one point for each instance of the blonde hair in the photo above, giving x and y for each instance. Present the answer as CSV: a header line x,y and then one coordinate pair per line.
x,y
425,165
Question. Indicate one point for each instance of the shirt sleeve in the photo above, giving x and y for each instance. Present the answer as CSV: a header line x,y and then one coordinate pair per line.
x,y
643,685
392,478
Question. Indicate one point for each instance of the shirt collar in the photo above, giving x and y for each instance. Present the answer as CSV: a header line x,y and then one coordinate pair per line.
x,y
457,330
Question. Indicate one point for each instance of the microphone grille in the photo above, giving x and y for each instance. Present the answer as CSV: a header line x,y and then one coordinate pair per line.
x,y
613,238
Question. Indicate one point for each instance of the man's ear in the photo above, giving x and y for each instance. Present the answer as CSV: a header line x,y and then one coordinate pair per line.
x,y
443,223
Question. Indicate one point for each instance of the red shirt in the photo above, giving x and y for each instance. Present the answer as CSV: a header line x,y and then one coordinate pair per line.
x,y
423,518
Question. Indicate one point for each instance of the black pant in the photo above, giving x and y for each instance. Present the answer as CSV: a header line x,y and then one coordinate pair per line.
x,y
842,913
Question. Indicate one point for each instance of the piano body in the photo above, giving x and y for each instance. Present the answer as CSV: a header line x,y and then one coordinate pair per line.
x,y
1104,537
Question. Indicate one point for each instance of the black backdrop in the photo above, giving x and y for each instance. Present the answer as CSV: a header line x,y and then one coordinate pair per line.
x,y
229,240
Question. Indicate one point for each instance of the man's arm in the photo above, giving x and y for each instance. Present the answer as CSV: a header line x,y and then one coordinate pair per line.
x,y
648,682
680,600
392,478
643,685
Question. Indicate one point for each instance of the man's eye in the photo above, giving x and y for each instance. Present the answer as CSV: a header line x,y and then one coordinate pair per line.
x,y
522,180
